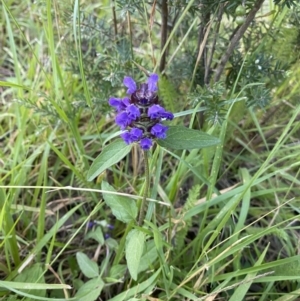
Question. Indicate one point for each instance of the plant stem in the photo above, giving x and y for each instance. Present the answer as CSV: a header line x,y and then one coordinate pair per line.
x,y
164,33
145,193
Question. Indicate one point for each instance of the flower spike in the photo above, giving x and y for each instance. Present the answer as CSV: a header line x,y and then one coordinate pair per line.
x,y
140,114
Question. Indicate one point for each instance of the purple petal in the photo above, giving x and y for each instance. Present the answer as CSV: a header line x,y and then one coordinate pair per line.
x,y
115,102
110,227
152,82
130,84
125,102
119,104
167,115
156,111
133,112
159,131
146,143
136,134
123,120
126,137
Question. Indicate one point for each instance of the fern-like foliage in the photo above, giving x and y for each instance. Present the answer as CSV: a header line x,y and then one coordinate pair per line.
x,y
168,94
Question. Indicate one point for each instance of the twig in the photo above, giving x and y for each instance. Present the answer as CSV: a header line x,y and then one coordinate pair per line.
x,y
213,47
235,39
164,33
115,19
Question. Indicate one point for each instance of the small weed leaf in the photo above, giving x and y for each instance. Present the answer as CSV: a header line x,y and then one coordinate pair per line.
x,y
124,209
180,137
87,266
97,235
134,250
90,291
110,155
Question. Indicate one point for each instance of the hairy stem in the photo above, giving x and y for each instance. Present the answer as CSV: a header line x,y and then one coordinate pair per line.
x,y
147,183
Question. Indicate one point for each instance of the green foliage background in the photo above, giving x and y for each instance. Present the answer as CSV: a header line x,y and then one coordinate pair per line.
x,y
221,222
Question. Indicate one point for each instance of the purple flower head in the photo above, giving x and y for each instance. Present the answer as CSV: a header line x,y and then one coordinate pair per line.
x,y
159,131
130,84
146,143
141,114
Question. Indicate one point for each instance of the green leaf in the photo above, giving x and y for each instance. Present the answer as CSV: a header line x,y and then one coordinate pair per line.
x,y
122,208
87,266
117,271
180,137
33,274
110,155
134,251
90,291
140,287
97,235
150,254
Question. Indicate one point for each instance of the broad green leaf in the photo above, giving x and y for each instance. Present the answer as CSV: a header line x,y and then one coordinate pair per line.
x,y
134,251
180,137
90,291
117,271
87,266
150,254
122,208
110,155
97,235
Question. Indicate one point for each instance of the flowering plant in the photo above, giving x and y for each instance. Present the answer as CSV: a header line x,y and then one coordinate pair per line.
x,y
140,117
140,114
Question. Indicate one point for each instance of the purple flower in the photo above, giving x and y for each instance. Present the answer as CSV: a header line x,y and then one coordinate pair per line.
x,y
119,104
130,84
91,224
146,143
123,120
167,115
140,114
110,227
159,131
127,137
152,82
133,112
136,134
156,111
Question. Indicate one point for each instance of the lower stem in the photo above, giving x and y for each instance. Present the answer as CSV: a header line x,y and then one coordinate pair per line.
x,y
147,182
